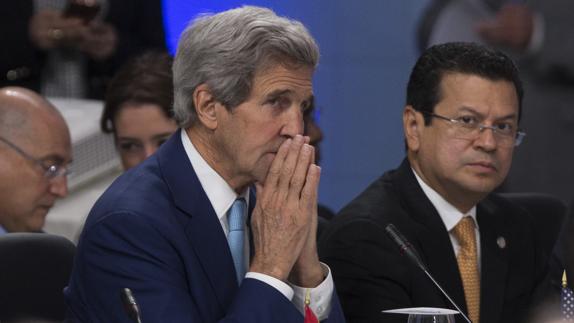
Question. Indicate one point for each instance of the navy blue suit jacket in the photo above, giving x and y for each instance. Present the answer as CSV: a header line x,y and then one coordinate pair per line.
x,y
155,232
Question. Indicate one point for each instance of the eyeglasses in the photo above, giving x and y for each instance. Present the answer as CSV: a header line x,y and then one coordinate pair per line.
x,y
469,128
51,171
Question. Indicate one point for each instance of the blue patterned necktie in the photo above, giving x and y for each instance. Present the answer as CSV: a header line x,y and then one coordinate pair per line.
x,y
236,238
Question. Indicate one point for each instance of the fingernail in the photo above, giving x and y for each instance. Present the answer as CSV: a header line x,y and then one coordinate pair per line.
x,y
317,168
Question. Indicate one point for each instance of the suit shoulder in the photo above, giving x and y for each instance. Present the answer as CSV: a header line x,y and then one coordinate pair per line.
x,y
378,199
141,190
509,209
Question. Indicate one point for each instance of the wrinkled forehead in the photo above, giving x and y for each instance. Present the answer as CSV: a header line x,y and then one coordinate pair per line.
x,y
287,80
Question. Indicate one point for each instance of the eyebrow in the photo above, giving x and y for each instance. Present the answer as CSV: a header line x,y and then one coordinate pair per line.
x,y
161,135
155,137
280,92
472,110
128,139
56,159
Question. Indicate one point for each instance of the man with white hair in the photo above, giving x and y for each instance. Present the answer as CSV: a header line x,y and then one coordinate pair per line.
x,y
183,230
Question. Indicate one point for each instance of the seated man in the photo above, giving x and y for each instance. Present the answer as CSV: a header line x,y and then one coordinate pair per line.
x,y
182,229
461,126
35,151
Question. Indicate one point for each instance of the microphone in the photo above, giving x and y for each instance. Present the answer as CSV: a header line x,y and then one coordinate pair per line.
x,y
405,246
130,305
407,249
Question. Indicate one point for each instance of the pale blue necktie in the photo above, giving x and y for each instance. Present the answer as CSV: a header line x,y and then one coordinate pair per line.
x,y
236,238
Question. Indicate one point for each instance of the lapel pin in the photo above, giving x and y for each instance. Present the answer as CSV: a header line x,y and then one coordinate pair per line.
x,y
501,242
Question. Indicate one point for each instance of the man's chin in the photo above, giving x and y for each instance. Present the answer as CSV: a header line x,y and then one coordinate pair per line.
x,y
37,221
481,187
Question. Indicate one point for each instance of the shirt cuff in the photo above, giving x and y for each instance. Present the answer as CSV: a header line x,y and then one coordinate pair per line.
x,y
320,296
280,286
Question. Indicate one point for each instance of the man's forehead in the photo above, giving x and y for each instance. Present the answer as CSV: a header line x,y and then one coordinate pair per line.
x,y
457,80
284,78
48,135
462,85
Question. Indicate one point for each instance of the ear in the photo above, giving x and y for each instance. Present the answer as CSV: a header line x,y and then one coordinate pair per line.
x,y
205,106
413,124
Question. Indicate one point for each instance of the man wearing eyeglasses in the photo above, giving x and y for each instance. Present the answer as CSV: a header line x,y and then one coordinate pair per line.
x,y
34,153
461,125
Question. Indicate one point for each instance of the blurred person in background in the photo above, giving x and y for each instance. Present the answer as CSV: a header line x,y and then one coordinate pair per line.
x,y
35,153
72,48
138,107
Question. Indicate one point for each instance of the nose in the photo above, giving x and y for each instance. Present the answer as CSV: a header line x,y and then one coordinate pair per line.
x,y
293,122
59,186
486,139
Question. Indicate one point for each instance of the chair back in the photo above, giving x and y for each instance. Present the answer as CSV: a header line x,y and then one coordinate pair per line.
x,y
548,212
34,269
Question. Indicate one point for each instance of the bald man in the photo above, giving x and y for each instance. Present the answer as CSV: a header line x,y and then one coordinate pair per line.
x,y
35,152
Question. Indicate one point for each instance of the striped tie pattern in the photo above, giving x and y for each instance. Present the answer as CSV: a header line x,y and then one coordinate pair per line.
x,y
468,266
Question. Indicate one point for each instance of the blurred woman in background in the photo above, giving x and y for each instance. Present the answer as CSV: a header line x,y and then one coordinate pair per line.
x,y
138,107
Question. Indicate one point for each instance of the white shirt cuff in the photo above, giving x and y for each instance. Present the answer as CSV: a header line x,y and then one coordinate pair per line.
x,y
283,288
320,296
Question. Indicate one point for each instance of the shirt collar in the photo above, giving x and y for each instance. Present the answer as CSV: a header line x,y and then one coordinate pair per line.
x,y
449,214
220,194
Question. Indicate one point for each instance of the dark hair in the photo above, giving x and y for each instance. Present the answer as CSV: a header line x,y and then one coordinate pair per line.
x,y
423,90
147,79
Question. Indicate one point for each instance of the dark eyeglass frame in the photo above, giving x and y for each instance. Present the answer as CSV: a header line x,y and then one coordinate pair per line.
x,y
518,136
51,171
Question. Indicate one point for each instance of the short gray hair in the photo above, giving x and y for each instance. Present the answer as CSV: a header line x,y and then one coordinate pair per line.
x,y
226,50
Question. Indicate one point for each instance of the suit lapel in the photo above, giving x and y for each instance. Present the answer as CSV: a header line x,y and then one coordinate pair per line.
x,y
199,220
494,260
431,237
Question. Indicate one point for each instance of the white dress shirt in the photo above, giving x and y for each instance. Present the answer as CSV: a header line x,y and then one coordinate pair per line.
x,y
450,216
221,196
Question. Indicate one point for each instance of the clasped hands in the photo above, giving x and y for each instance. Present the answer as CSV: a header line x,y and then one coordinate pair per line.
x,y
284,220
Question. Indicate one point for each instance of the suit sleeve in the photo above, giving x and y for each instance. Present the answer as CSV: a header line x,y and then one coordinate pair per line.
x,y
123,250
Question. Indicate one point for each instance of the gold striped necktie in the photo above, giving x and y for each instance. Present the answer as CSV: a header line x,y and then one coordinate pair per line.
x,y
468,266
